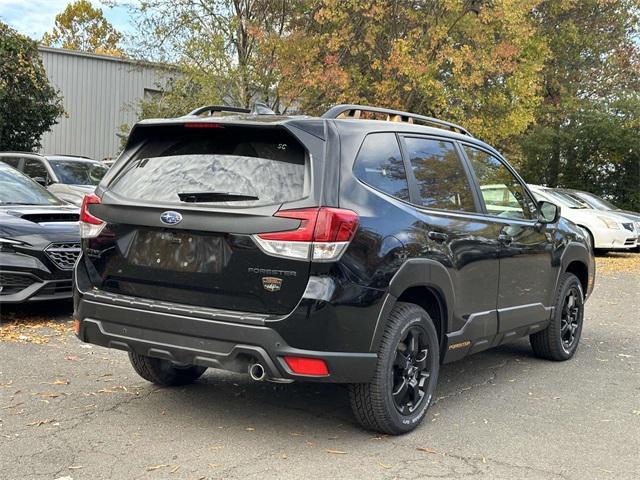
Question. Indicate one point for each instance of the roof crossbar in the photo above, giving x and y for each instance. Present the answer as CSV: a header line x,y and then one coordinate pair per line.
x,y
217,108
354,111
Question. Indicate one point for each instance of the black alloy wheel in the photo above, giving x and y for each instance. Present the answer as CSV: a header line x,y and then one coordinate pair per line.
x,y
396,399
570,318
559,341
410,373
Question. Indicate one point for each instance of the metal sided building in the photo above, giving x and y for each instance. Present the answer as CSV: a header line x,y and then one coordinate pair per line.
x,y
100,93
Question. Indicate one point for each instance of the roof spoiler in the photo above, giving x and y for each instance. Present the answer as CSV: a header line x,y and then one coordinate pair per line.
x,y
355,111
259,108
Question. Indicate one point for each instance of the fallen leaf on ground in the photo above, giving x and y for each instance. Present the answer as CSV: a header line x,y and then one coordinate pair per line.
x,y
426,449
337,452
41,422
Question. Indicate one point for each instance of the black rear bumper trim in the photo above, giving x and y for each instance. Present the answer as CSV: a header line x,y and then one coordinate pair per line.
x,y
209,343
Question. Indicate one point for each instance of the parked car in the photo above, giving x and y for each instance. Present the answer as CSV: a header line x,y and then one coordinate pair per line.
x,y
39,240
331,249
67,177
599,203
607,230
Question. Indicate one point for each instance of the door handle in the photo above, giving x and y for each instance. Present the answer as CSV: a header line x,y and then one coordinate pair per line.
x,y
505,239
437,236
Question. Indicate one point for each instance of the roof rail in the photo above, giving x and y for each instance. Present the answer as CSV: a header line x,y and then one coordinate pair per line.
x,y
217,108
354,111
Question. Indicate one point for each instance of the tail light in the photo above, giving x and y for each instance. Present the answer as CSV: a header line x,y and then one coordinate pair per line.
x,y
90,225
322,236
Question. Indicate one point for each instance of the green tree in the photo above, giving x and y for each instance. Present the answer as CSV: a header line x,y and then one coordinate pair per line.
x,y
29,105
82,27
585,133
225,48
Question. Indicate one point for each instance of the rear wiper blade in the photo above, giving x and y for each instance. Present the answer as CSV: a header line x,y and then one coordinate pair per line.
x,y
193,197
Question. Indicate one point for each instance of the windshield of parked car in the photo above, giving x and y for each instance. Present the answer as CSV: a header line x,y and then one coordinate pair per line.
x,y
565,199
17,189
596,202
78,172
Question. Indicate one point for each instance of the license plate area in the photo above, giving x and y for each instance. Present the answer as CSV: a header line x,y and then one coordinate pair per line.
x,y
179,251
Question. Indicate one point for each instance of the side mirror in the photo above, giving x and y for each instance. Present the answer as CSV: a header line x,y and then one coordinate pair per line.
x,y
548,212
41,180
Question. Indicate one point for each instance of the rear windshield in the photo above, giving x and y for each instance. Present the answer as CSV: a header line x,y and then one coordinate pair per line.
x,y
226,166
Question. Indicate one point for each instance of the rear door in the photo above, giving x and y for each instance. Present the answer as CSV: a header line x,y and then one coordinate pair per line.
x,y
183,211
527,268
451,229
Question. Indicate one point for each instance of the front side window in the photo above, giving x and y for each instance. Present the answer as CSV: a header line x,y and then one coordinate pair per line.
x,y
503,194
379,164
440,175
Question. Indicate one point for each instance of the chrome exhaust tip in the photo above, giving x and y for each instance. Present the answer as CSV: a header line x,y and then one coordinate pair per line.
x,y
257,372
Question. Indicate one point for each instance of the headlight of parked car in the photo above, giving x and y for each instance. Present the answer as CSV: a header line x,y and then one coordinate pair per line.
x,y
6,244
609,223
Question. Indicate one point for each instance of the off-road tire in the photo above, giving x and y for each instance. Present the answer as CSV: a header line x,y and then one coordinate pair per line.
x,y
164,372
548,343
373,403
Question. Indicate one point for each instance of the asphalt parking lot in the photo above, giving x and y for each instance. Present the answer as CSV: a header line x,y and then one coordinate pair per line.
x,y
75,411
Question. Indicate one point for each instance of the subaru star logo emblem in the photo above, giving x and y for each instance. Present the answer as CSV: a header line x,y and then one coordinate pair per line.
x,y
170,217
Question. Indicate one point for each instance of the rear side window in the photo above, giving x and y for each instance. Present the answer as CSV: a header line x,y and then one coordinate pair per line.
x,y
35,168
379,165
441,178
226,166
11,161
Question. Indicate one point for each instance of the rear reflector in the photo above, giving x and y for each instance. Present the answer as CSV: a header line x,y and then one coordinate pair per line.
x,y
307,366
322,235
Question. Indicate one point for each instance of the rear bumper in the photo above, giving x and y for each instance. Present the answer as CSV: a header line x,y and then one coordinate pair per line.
x,y
210,342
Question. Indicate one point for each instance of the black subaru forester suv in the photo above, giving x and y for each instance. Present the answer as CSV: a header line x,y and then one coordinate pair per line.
x,y
366,247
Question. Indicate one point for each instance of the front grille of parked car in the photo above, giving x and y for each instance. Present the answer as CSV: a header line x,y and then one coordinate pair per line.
x,y
63,255
13,282
628,226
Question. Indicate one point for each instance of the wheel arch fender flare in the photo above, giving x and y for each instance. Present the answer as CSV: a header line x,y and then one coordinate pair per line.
x,y
416,272
578,252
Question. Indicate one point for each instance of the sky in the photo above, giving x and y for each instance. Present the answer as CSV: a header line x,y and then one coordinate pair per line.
x,y
34,17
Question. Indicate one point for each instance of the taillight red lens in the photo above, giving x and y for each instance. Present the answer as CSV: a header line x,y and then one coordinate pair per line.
x,y
85,216
335,225
324,224
307,366
304,232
